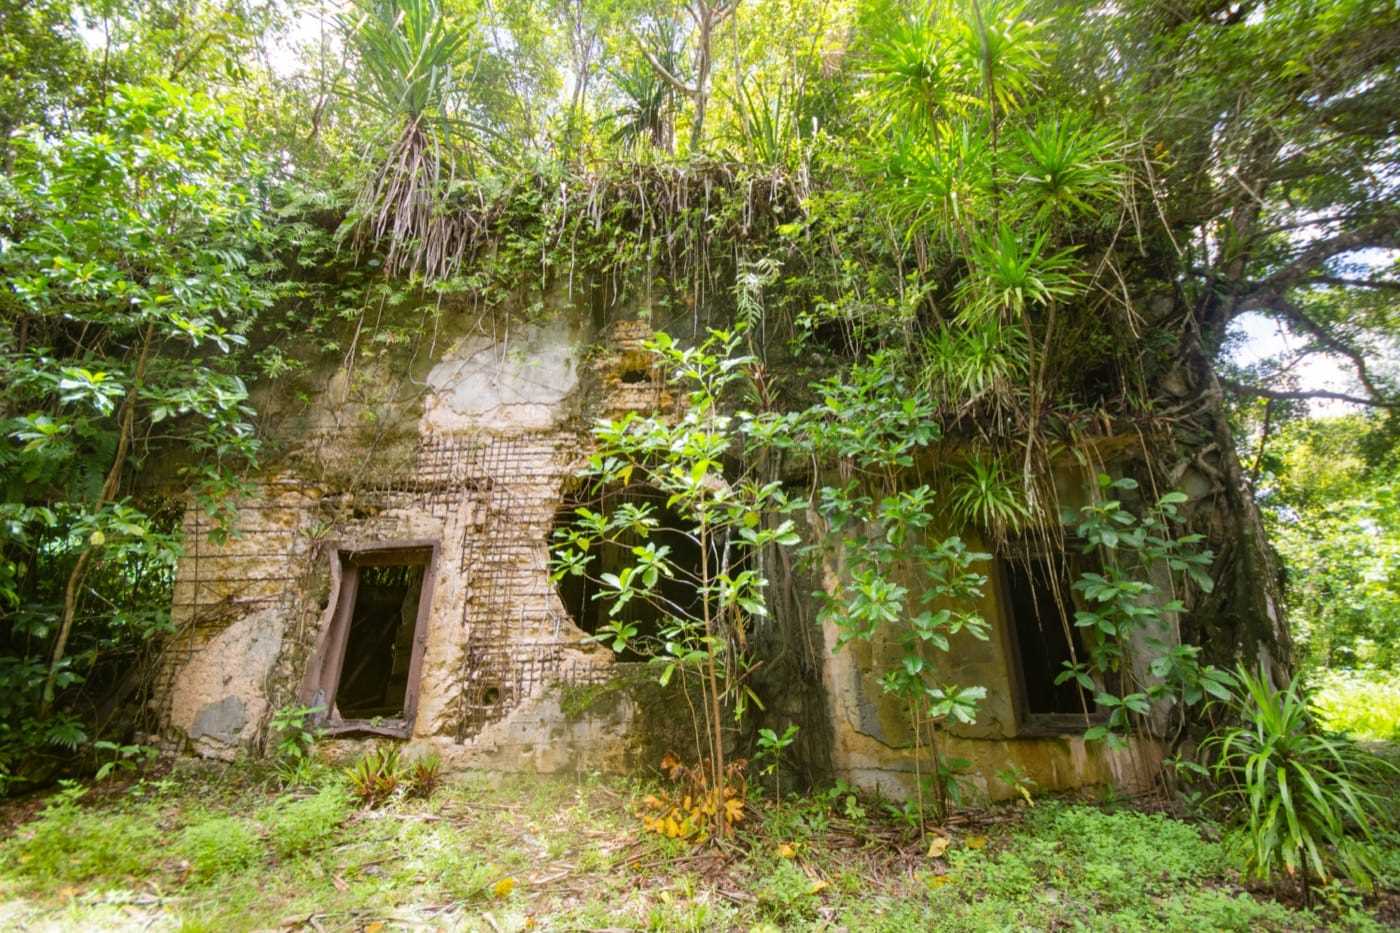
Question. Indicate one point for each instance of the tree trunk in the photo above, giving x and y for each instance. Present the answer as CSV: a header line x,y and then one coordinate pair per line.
x,y
1242,620
702,79
108,493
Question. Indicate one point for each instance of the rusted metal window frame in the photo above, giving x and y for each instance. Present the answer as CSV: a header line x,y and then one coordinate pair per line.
x,y
323,669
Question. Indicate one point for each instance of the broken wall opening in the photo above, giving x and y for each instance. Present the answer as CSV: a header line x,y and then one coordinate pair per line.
x,y
378,648
364,673
674,596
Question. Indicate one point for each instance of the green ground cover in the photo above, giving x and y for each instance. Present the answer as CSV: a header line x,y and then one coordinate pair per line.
x,y
203,848
1363,704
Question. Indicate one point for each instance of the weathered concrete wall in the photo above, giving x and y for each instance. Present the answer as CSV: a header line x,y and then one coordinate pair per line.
x,y
474,453
521,382
497,432
873,734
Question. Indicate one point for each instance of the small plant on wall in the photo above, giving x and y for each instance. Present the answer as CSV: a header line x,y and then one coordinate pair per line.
x,y
725,516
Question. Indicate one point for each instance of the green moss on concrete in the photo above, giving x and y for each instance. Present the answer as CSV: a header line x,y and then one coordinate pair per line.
x,y
635,682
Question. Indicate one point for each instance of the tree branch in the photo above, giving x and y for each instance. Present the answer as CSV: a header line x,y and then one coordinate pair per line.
x,y
1329,341
1349,283
661,69
1284,395
1377,233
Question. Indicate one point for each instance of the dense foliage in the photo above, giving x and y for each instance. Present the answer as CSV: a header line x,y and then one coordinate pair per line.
x,y
940,251
1329,491
1035,223
132,275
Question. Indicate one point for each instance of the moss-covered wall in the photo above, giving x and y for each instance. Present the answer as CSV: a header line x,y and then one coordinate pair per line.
x,y
471,447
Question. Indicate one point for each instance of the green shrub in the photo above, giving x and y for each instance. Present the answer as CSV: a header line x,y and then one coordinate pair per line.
x,y
298,826
375,776
218,845
1308,797
1211,909
1107,861
67,844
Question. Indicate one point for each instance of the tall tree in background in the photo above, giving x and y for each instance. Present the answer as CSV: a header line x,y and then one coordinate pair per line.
x,y
1270,132
706,16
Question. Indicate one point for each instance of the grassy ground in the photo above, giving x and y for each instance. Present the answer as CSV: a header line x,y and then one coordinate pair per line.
x,y
204,848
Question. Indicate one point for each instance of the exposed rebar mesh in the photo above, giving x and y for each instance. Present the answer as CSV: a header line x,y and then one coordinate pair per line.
x,y
495,499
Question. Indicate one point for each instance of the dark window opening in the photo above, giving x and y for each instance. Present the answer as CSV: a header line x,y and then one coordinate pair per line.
x,y
1042,614
364,671
675,596
374,673
634,377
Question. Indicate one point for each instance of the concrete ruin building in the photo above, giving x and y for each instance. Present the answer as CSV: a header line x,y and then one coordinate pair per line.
x,y
391,568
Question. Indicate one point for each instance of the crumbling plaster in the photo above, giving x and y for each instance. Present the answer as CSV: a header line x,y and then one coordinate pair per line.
x,y
498,430
517,383
474,453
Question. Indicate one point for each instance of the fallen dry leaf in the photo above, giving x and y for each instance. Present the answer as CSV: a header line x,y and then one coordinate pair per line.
x,y
785,850
937,846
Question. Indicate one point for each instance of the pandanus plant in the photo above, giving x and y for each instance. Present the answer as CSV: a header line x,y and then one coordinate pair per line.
x,y
410,57
648,110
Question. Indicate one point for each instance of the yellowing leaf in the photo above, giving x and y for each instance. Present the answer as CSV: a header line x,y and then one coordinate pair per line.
x,y
976,842
374,927
818,887
937,846
938,881
504,887
786,851
734,810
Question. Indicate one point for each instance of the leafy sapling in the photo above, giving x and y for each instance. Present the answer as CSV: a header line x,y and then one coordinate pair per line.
x,y
295,733
729,517
900,580
771,746
124,758
1124,607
